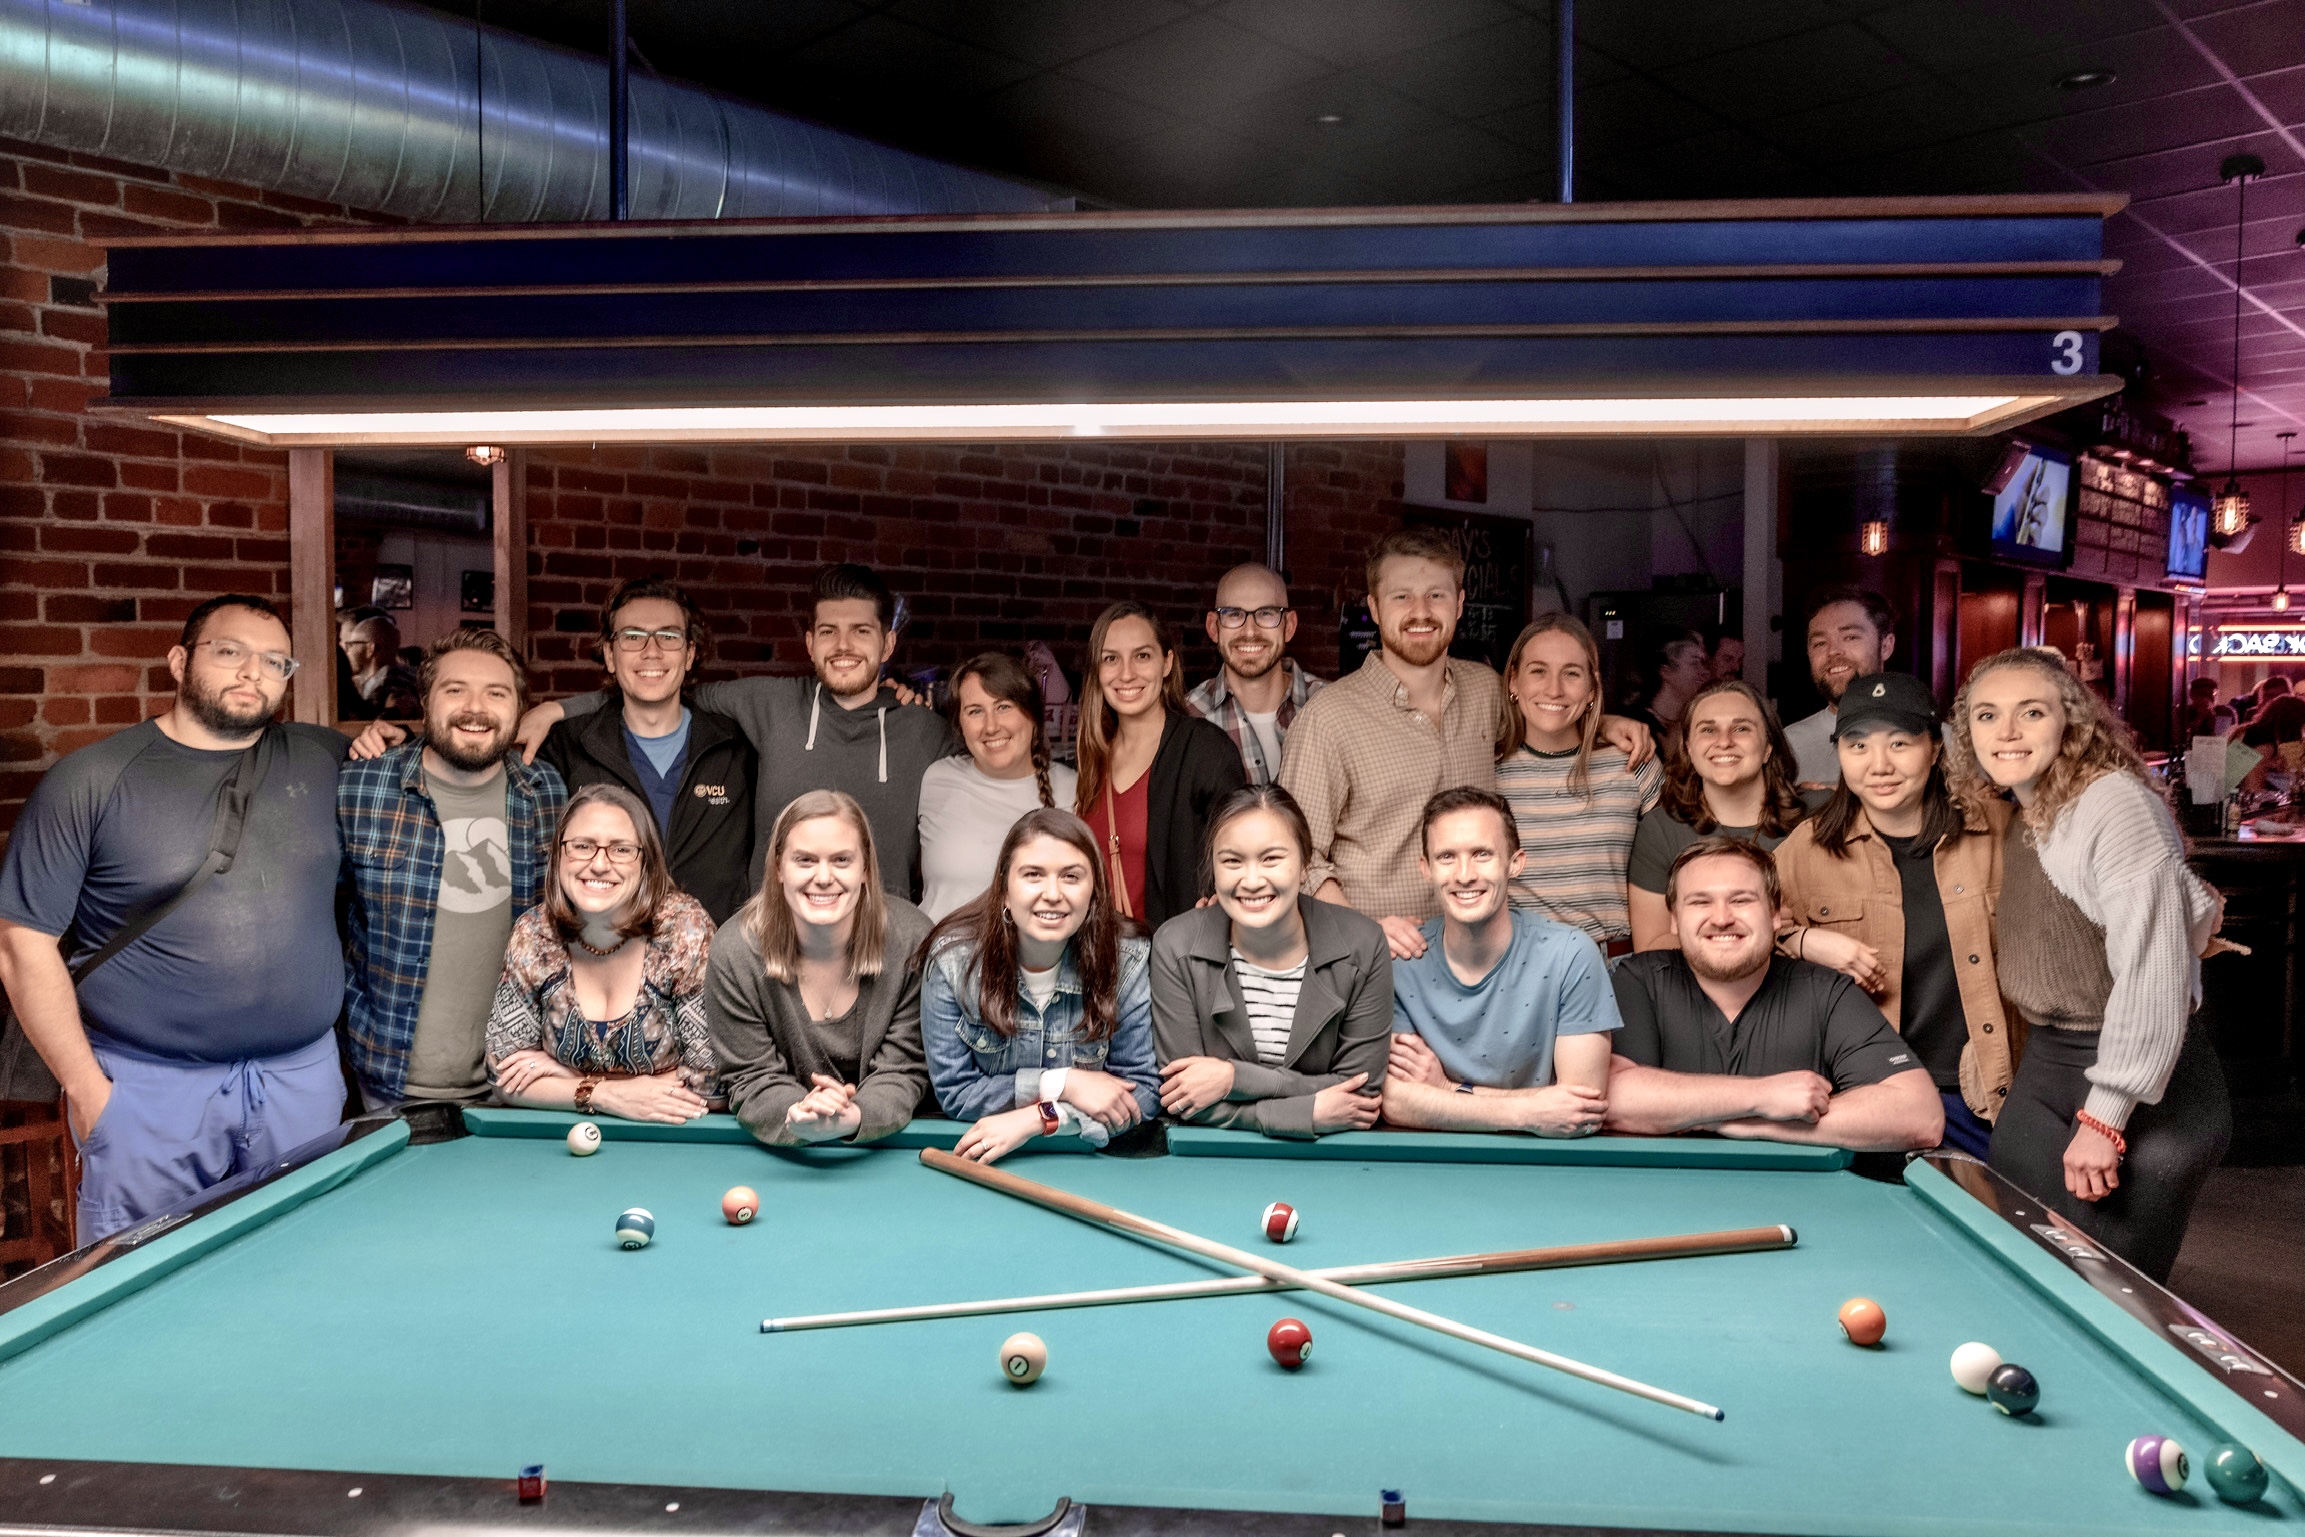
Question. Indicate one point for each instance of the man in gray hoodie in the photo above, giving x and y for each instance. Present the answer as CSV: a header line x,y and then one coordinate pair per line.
x,y
841,729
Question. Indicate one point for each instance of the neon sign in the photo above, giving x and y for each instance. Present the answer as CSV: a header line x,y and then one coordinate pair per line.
x,y
2268,643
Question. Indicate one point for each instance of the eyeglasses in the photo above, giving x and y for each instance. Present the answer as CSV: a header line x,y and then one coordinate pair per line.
x,y
637,639
582,851
1268,618
230,654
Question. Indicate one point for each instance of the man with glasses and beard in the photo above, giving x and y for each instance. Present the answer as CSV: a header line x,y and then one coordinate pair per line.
x,y
1723,1034
205,1047
449,837
1258,692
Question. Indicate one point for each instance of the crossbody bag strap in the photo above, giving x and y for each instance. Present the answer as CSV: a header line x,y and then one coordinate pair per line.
x,y
1115,867
231,821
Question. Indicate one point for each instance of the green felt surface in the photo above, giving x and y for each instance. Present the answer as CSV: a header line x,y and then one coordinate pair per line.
x,y
462,1308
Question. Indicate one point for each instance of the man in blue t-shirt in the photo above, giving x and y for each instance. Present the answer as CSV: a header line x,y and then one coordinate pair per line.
x,y
1504,1024
205,1049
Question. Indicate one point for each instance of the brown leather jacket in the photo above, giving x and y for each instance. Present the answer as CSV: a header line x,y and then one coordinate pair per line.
x,y
1861,895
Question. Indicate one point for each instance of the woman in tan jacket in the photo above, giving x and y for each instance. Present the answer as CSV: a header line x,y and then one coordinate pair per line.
x,y
1894,882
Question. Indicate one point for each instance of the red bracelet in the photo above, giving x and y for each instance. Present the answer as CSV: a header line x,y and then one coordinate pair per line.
x,y
2120,1143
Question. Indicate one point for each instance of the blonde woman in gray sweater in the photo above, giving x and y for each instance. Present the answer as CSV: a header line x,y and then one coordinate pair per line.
x,y
2118,1112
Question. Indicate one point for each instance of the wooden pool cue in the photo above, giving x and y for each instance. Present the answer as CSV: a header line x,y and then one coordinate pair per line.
x,y
1102,1215
1496,1262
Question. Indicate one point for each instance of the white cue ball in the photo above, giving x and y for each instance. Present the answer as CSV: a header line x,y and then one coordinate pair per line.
x,y
584,1139
1023,1357
1973,1364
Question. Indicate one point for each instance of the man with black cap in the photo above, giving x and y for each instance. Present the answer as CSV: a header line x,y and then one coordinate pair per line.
x,y
1893,884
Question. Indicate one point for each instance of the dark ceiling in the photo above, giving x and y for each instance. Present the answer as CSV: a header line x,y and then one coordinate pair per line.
x,y
1246,103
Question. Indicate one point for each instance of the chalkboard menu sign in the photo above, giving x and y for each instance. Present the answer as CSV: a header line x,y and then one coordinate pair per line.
x,y
1499,555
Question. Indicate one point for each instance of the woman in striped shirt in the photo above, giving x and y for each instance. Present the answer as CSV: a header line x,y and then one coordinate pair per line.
x,y
1576,800
1272,1011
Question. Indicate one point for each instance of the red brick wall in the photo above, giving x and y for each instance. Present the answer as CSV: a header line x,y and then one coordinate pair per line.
x,y
111,530
991,548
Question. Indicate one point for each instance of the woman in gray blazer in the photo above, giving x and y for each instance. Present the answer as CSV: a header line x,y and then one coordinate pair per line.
x,y
1272,1012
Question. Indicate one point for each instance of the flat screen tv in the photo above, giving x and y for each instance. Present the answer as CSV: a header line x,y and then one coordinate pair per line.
x,y
2032,494
2189,534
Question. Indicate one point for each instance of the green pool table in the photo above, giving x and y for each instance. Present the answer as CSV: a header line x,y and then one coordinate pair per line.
x,y
379,1337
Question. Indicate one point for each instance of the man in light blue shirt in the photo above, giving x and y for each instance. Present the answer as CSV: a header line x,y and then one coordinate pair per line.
x,y
1505,1023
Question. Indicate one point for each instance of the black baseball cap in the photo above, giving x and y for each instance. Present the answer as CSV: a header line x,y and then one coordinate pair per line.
x,y
1896,700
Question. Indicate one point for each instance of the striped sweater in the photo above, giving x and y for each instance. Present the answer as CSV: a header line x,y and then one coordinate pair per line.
x,y
2115,853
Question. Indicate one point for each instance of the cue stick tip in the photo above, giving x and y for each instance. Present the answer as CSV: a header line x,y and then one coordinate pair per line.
x,y
1786,1228
769,1326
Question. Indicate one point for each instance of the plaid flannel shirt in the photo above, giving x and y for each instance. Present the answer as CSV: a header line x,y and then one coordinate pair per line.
x,y
1212,701
393,842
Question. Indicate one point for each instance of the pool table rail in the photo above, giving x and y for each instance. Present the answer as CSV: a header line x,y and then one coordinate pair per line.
x,y
49,1498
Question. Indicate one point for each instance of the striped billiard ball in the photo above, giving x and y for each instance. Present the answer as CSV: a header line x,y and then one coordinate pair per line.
x,y
634,1227
1280,1222
2159,1463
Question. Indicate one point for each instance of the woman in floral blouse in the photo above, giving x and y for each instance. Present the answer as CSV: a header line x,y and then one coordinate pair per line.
x,y
601,1007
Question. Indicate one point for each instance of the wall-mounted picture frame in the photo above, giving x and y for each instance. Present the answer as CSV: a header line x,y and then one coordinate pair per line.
x,y
476,592
393,587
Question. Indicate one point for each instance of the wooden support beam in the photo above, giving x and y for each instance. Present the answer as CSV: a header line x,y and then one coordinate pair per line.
x,y
508,492
312,583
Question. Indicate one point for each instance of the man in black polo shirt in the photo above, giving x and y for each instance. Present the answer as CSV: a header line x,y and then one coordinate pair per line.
x,y
1726,1035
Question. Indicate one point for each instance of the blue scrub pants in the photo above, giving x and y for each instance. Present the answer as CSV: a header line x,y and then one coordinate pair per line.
x,y
173,1130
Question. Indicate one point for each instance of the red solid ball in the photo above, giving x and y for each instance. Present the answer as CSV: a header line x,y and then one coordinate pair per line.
x,y
1863,1321
1290,1342
740,1205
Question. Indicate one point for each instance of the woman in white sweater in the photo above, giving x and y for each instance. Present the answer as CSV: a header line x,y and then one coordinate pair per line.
x,y
2118,1113
969,802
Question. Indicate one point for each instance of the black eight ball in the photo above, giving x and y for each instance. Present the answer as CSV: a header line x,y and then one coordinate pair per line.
x,y
2012,1390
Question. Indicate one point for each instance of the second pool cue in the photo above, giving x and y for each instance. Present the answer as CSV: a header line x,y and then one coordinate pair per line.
x,y
1496,1262
1102,1215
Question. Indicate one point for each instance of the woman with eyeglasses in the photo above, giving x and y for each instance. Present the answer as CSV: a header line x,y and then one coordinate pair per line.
x,y
601,1007
969,801
694,768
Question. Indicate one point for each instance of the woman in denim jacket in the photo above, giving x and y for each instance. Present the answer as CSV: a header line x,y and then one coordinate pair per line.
x,y
1036,1000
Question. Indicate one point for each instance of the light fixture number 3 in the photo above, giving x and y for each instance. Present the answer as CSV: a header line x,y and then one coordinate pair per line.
x,y
2067,358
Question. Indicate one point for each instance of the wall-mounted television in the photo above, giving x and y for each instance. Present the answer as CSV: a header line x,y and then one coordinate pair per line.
x,y
2032,495
2189,534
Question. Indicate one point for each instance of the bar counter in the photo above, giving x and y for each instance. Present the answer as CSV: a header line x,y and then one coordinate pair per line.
x,y
2249,1002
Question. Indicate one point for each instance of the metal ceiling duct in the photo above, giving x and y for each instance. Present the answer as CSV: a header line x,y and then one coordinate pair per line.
x,y
407,111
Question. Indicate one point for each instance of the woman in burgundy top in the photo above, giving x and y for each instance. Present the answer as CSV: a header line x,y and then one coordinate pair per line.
x,y
1150,770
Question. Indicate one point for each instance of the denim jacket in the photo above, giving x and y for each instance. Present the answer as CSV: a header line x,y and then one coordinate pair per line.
x,y
977,1071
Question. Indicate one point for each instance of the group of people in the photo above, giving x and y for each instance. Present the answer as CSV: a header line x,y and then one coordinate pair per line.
x,y
1422,893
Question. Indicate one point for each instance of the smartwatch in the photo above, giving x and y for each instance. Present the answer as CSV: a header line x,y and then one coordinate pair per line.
x,y
1050,1121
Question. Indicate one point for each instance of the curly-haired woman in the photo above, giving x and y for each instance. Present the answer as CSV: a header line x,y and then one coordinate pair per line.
x,y
2118,1112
